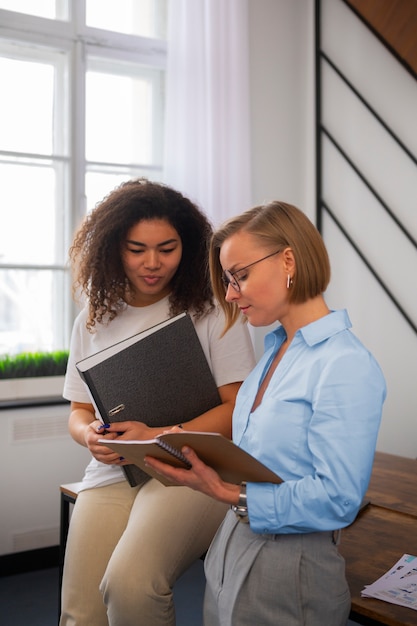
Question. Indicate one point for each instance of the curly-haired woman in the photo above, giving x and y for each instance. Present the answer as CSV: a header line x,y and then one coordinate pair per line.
x,y
140,257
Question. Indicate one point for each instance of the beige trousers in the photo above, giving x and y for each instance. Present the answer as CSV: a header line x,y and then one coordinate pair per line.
x,y
127,547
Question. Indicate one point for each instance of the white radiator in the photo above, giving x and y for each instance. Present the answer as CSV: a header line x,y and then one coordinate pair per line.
x,y
37,455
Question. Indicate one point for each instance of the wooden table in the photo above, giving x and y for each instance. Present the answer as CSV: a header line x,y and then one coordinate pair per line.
x,y
383,531
394,483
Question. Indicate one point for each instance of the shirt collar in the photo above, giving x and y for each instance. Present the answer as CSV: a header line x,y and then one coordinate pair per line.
x,y
320,330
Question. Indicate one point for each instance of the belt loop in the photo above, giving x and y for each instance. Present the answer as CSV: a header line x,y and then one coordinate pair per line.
x,y
337,535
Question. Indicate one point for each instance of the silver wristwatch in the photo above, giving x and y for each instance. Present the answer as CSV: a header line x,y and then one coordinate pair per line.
x,y
241,508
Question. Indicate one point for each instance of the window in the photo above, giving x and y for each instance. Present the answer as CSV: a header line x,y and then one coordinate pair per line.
x,y
81,111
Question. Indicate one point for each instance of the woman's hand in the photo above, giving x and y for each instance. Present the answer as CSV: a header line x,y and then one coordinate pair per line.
x,y
132,430
95,431
118,430
199,477
86,430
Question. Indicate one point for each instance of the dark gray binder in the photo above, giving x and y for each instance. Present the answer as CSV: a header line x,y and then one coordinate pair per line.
x,y
160,377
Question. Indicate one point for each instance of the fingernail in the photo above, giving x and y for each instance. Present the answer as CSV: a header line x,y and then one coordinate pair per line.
x,y
103,427
121,458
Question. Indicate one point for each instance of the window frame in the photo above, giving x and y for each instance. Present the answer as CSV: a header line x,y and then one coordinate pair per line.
x,y
80,43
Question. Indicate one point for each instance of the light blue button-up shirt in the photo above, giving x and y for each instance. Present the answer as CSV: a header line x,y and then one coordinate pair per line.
x,y
316,427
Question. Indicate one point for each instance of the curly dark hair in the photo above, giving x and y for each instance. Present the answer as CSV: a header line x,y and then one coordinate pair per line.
x,y
96,251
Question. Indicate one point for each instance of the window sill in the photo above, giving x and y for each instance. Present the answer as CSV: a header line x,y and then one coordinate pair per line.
x,y
31,391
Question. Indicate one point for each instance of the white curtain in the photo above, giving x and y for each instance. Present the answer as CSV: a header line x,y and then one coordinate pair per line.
x,y
207,134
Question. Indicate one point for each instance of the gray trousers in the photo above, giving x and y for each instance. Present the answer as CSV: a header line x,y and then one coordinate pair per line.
x,y
274,580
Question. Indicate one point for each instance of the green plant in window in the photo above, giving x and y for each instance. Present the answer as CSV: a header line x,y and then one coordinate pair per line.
x,y
28,364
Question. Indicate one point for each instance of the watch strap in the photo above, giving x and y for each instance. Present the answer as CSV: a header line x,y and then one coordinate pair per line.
x,y
241,508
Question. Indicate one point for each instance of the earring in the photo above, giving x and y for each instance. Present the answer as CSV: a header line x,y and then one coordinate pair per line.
x,y
289,281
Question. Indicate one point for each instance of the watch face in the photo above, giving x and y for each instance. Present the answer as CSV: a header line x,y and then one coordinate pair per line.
x,y
241,512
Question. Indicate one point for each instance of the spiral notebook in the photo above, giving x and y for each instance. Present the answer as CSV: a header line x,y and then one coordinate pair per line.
x,y
232,463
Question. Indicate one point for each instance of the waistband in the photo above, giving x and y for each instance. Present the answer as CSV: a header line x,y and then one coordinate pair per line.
x,y
334,535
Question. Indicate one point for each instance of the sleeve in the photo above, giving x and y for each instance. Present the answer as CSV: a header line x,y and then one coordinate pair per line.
x,y
75,389
340,444
231,357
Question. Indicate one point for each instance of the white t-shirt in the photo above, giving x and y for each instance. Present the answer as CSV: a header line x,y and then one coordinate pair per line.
x,y
230,358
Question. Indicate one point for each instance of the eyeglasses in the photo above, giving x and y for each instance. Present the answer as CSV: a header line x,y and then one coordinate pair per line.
x,y
229,278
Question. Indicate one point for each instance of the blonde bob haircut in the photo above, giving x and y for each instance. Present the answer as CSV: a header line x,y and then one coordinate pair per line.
x,y
276,226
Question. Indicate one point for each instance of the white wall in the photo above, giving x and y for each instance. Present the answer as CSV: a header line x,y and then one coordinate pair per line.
x,y
282,101
37,455
282,107
392,92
